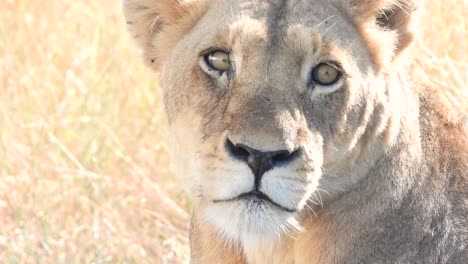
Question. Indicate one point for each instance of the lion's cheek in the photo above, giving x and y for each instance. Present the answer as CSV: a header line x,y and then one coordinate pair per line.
x,y
183,140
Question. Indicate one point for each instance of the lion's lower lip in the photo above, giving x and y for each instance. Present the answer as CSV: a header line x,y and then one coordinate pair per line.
x,y
256,195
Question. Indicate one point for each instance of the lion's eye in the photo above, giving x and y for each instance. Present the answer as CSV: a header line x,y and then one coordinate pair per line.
x,y
325,74
218,60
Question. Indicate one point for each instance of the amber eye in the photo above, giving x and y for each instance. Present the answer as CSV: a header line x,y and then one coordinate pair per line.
x,y
218,60
325,74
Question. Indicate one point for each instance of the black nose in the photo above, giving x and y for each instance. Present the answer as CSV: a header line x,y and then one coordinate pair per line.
x,y
259,161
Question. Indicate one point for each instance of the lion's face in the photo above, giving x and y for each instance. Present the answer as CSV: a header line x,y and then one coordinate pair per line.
x,y
255,136
269,102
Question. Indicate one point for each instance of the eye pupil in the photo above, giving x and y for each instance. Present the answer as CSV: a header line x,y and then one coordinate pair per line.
x,y
325,74
218,60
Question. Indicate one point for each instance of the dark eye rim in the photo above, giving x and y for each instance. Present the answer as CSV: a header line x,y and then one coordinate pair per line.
x,y
333,64
205,54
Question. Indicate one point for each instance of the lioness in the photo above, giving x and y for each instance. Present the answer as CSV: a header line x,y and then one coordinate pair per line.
x,y
300,135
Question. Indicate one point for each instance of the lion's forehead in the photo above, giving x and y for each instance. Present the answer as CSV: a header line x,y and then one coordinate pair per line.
x,y
279,11
285,30
279,15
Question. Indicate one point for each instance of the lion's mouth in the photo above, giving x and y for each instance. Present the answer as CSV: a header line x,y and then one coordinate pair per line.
x,y
256,196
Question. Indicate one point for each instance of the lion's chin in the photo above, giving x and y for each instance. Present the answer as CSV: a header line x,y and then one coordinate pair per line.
x,y
255,199
248,220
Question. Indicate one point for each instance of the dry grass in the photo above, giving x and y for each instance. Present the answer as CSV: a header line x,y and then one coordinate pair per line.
x,y
84,172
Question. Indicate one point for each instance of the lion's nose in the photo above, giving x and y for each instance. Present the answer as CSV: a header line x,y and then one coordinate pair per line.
x,y
260,161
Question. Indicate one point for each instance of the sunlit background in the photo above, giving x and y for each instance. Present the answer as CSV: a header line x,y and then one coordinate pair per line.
x,y
84,169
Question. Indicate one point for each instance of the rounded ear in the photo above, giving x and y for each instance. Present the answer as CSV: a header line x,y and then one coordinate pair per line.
x,y
401,18
157,24
387,26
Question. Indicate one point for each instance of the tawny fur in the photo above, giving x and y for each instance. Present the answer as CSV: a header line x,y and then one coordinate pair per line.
x,y
382,176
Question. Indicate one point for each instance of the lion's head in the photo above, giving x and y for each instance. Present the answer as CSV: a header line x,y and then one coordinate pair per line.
x,y
270,102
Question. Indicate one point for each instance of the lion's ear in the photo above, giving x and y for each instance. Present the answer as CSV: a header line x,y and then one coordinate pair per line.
x,y
157,24
395,19
400,17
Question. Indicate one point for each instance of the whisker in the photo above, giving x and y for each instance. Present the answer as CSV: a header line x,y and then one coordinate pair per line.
x,y
311,209
314,202
322,190
330,27
324,21
320,197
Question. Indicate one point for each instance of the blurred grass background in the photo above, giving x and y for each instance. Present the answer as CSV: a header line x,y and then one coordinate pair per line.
x,y
84,169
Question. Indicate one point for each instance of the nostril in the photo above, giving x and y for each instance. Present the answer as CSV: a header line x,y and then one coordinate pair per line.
x,y
284,156
281,156
238,151
241,152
